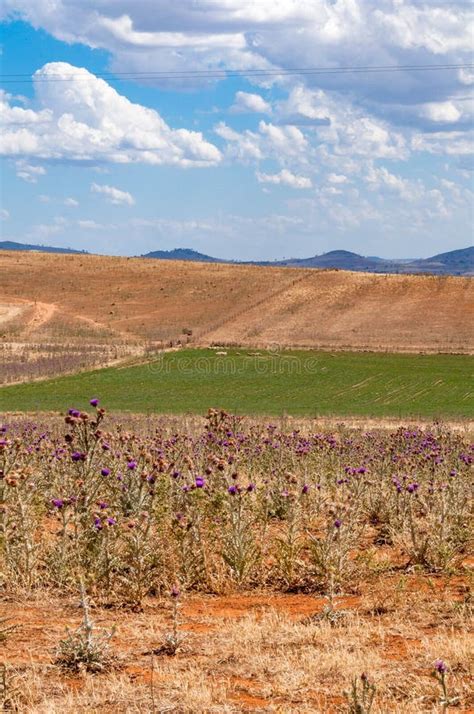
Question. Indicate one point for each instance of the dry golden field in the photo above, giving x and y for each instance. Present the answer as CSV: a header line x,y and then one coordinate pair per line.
x,y
132,301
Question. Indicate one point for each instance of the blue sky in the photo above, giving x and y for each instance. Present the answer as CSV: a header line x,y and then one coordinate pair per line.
x,y
237,167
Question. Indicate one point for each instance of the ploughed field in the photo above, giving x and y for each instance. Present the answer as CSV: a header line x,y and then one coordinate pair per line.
x,y
300,383
233,565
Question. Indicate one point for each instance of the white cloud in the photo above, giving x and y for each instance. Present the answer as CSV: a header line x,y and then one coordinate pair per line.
x,y
4,214
285,178
88,120
246,102
337,178
90,225
28,172
441,112
114,195
71,202
455,143
348,129
283,143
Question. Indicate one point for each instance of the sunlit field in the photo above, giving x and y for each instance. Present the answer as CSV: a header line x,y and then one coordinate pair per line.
x,y
301,383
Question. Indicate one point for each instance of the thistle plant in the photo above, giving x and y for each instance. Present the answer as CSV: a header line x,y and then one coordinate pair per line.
x,y
361,696
440,670
83,649
240,550
173,639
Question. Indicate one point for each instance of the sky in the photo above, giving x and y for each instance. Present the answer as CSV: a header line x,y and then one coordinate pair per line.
x,y
137,125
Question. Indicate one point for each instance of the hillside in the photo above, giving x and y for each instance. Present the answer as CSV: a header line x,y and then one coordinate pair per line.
x,y
182,254
12,245
455,262
47,296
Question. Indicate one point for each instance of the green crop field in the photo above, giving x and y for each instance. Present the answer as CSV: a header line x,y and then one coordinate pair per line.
x,y
297,383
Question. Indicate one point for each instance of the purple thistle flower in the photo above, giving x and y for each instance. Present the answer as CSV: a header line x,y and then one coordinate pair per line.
x,y
337,523
250,487
233,490
97,523
102,505
111,521
199,482
94,402
175,592
440,666
78,456
413,487
105,471
132,465
305,488
57,502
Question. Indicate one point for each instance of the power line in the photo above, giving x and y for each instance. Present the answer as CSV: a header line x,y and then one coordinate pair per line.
x,y
224,73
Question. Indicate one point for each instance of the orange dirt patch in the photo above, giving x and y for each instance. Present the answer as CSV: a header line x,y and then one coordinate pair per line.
x,y
211,649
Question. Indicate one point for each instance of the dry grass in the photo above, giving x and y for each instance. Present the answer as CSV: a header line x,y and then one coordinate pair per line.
x,y
260,653
139,299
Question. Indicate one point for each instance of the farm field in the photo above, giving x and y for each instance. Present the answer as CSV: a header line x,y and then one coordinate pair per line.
x,y
299,383
232,565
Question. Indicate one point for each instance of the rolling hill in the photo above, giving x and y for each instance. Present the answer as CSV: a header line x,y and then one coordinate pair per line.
x,y
163,301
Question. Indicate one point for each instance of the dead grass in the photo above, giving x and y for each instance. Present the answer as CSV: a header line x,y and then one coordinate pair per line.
x,y
223,304
256,653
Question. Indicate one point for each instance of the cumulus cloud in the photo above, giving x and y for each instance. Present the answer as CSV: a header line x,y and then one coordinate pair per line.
x,y
285,178
114,195
246,102
87,120
71,202
244,34
345,127
283,143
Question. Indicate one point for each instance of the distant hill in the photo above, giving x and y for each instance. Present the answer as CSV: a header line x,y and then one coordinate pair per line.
x,y
182,254
343,260
11,245
455,262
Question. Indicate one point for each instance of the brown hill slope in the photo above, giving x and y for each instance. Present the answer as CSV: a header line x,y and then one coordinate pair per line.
x,y
65,295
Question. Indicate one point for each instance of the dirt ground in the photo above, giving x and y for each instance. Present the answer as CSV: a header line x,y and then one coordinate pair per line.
x,y
258,652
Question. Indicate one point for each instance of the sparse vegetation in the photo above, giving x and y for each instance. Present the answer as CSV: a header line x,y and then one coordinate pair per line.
x,y
294,551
